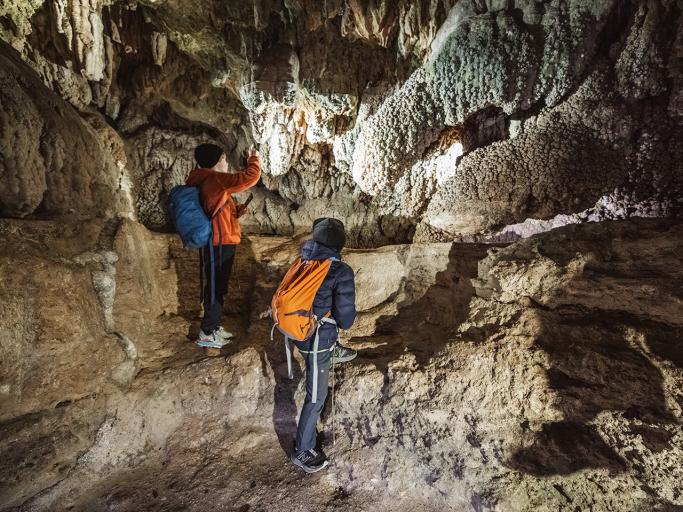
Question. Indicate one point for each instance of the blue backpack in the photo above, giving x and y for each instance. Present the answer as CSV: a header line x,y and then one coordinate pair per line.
x,y
195,227
191,222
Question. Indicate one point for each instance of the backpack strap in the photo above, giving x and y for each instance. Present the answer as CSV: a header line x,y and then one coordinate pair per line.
x,y
218,210
323,320
314,352
335,263
314,394
316,342
220,246
220,251
201,276
288,351
213,273
220,231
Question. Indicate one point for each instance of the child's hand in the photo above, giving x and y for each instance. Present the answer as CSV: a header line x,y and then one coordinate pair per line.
x,y
252,151
241,209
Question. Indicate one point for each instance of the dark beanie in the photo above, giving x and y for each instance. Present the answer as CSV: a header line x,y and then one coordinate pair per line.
x,y
207,155
329,232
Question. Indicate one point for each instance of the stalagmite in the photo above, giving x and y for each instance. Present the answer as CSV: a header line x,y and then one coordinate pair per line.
x,y
159,45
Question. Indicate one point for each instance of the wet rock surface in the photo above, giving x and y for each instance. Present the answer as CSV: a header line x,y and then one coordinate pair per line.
x,y
542,374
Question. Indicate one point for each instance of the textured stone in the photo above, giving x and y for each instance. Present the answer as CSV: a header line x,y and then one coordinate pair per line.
x,y
160,159
53,162
567,159
484,60
412,73
51,352
640,67
546,374
543,375
19,14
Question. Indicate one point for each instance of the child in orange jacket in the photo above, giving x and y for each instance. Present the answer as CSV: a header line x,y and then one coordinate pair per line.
x,y
217,182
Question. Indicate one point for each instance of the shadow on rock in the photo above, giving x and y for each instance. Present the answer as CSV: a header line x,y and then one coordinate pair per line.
x,y
238,301
423,326
284,404
595,366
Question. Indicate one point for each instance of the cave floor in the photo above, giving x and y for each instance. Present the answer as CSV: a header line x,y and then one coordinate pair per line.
x,y
247,472
434,414
248,468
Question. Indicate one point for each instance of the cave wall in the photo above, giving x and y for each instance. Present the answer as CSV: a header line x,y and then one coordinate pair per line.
x,y
428,120
52,161
547,373
425,121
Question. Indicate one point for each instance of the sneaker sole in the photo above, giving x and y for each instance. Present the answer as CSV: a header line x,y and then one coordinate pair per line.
x,y
209,344
308,469
344,359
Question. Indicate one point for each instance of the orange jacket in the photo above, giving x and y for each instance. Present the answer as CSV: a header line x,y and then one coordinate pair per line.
x,y
216,189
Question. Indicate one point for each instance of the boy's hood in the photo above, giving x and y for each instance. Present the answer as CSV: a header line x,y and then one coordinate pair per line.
x,y
313,250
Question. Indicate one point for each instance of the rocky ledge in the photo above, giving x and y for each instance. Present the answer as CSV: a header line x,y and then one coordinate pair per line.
x,y
545,375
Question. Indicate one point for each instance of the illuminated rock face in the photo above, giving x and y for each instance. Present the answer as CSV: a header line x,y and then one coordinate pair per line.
x,y
427,120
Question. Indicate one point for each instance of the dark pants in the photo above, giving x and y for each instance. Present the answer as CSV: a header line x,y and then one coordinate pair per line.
x,y
306,429
222,264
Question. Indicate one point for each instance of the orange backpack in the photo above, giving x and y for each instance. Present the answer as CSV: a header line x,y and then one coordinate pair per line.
x,y
292,307
292,304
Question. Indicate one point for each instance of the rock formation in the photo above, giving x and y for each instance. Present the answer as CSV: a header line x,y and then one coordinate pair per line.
x,y
544,374
520,323
544,96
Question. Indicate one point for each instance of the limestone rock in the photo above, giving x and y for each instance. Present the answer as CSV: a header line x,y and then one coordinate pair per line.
x,y
53,162
544,374
51,353
351,103
640,68
471,201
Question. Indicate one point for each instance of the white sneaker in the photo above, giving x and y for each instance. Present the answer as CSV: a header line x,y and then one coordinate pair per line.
x,y
224,335
212,340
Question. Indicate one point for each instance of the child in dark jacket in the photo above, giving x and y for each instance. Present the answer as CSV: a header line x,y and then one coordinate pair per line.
x,y
337,296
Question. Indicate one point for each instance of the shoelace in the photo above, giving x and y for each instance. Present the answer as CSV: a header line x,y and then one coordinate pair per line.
x,y
308,456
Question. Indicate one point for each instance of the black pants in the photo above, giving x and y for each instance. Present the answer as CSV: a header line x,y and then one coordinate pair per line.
x,y
223,259
306,432
310,412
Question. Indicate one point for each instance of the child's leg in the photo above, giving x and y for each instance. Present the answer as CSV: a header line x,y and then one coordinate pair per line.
x,y
222,269
306,429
